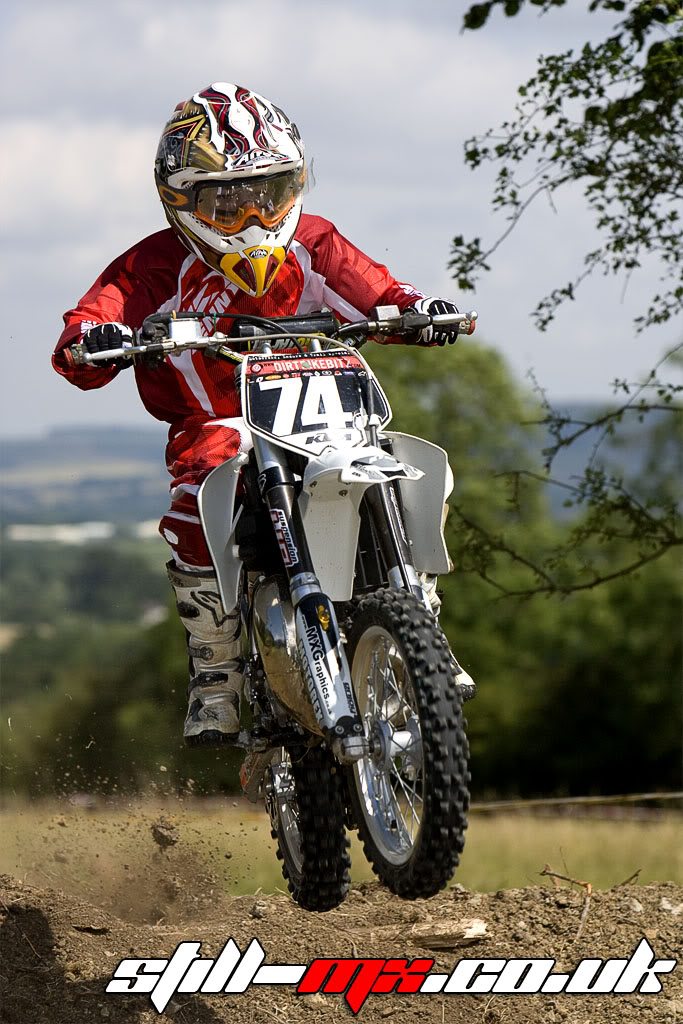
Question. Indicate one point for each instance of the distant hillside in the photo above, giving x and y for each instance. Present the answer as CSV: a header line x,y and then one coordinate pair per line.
x,y
118,474
84,473
64,445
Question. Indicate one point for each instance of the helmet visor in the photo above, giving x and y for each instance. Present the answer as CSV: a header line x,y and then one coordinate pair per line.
x,y
227,207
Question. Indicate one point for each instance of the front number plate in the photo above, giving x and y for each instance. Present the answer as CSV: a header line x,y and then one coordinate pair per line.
x,y
310,402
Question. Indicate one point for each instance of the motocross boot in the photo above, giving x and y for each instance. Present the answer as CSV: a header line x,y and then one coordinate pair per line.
x,y
216,665
467,687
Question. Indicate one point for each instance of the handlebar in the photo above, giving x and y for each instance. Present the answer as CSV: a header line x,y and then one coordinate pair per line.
x,y
166,333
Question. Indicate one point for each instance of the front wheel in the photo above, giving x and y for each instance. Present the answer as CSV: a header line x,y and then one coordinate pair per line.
x,y
410,794
305,798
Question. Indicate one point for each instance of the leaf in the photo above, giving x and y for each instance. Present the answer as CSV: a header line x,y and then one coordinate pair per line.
x,y
625,151
477,15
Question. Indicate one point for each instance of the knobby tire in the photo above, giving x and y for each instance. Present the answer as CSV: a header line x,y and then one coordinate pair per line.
x,y
323,880
425,653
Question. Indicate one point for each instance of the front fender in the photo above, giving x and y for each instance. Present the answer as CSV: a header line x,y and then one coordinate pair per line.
x,y
424,506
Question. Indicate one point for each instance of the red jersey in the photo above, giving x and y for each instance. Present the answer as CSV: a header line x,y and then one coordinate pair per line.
x,y
159,274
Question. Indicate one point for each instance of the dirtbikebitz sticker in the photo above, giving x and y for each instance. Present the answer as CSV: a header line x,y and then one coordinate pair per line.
x,y
233,972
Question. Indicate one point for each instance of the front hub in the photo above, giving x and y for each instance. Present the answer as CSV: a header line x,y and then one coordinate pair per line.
x,y
387,745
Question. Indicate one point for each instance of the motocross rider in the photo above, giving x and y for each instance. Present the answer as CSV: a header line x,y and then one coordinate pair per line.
x,y
230,172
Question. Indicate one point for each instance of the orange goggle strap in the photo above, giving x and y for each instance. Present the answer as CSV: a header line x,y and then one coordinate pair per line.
x,y
177,198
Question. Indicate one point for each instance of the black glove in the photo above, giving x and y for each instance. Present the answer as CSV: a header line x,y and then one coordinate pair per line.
x,y
105,337
434,335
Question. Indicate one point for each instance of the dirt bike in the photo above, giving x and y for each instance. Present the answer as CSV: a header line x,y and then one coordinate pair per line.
x,y
356,717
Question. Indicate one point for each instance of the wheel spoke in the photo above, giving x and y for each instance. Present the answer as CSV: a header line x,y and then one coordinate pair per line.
x,y
408,790
391,809
414,814
403,703
394,805
287,808
398,819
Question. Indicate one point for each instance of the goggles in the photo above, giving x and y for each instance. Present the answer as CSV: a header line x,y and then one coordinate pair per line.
x,y
229,205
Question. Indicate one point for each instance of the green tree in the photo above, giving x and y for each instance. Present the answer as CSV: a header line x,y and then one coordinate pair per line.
x,y
594,673
608,119
51,583
110,719
608,718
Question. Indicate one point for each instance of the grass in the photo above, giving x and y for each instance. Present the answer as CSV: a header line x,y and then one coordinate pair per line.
x,y
91,852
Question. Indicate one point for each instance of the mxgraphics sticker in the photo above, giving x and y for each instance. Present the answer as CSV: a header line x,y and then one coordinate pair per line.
x,y
319,683
318,709
290,554
357,979
322,664
320,668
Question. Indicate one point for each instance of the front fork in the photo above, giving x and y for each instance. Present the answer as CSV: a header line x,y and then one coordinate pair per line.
x,y
384,505
323,659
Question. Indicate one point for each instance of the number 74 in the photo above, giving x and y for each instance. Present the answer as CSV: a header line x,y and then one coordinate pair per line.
x,y
321,403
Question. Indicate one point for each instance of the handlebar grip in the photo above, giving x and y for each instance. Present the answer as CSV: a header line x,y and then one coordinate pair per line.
x,y
82,357
464,323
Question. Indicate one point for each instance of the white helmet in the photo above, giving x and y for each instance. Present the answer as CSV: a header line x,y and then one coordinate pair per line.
x,y
230,173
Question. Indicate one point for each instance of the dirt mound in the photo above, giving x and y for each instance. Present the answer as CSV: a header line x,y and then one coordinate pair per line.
x,y
59,952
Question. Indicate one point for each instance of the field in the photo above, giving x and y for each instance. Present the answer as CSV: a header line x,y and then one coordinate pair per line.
x,y
97,852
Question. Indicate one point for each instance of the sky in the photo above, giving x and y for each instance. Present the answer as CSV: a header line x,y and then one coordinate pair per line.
x,y
385,95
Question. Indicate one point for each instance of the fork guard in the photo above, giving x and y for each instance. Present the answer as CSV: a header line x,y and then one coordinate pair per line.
x,y
333,486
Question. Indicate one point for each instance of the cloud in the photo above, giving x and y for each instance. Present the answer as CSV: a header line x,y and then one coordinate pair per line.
x,y
64,172
385,95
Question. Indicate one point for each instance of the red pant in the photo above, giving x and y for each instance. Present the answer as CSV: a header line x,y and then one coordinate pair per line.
x,y
196,447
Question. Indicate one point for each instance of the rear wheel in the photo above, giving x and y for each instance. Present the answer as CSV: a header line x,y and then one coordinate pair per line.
x,y
410,794
307,813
